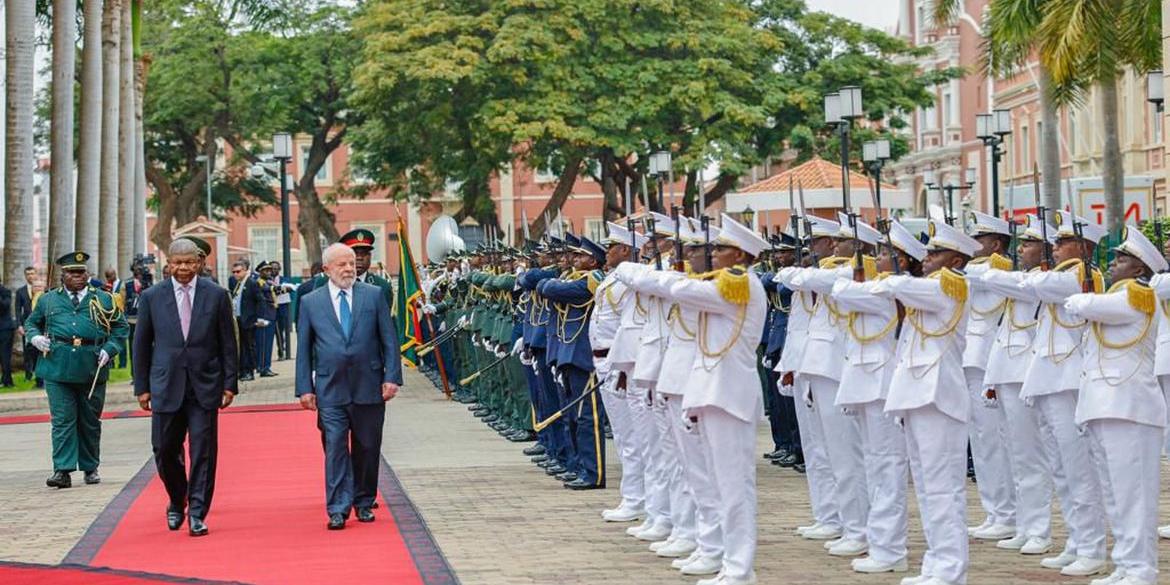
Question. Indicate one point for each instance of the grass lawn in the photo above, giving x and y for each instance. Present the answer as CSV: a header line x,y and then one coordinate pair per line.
x,y
117,375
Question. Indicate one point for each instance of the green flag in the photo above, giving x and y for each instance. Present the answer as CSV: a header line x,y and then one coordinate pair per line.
x,y
406,303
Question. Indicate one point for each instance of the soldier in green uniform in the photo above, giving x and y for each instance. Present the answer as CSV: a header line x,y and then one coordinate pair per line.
x,y
77,328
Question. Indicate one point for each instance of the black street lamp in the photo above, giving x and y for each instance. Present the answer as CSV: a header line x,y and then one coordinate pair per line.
x,y
950,189
991,129
282,151
841,109
1155,92
875,153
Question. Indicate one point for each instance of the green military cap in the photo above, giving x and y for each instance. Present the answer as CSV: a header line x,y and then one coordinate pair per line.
x,y
200,243
73,261
359,238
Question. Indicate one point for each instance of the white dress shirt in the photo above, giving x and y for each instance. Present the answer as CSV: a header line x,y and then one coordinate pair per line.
x,y
335,296
179,292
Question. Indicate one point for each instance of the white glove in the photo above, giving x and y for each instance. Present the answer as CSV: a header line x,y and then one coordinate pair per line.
x,y
1076,304
768,362
261,322
518,346
288,287
463,321
527,360
442,326
103,358
428,309
989,399
41,342
487,344
848,411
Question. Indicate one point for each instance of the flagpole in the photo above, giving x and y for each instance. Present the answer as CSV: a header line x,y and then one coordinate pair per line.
x,y
409,265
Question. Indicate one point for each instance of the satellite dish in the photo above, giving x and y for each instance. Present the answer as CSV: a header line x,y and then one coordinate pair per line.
x,y
443,238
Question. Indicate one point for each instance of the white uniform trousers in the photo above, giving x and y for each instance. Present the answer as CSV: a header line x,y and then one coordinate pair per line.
x,y
1080,492
730,446
989,450
682,496
698,480
936,445
1031,467
1164,382
886,476
1128,457
843,445
682,508
643,439
819,475
633,485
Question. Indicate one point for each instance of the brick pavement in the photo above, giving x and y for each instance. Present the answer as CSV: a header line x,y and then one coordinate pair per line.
x,y
497,518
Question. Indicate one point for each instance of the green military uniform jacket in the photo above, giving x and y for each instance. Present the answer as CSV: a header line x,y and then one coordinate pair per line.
x,y
387,290
78,334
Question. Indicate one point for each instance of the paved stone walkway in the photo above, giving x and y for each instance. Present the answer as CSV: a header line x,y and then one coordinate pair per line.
x,y
498,519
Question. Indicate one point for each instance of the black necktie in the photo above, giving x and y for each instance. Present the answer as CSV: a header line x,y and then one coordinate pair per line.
x,y
76,300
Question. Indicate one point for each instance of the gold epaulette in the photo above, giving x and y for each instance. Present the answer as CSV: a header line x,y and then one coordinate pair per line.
x,y
1078,265
1140,296
953,284
869,265
1000,262
592,281
835,261
732,284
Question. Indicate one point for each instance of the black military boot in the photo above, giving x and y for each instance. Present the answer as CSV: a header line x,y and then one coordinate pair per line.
x,y
60,480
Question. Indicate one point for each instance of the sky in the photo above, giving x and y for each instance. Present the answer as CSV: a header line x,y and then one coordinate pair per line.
x,y
880,14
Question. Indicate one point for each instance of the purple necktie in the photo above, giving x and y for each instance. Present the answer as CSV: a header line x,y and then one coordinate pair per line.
x,y
185,311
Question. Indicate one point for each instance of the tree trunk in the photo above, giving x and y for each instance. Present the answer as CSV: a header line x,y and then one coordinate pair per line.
x,y
108,206
139,242
313,218
724,184
19,162
1049,147
127,143
565,184
61,202
89,157
168,200
1112,171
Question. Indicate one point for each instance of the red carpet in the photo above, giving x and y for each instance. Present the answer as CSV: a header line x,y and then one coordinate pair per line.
x,y
267,519
23,574
139,413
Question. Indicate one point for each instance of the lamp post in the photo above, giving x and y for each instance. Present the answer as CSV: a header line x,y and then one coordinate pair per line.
x,y
748,215
207,159
1155,92
282,151
874,154
660,167
841,109
991,129
950,189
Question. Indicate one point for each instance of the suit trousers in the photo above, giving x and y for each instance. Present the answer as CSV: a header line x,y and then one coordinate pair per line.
x,y
1081,502
75,419
264,338
30,360
633,485
247,350
351,475
200,428
586,427
846,460
667,409
821,484
730,446
6,356
886,474
282,326
697,465
1126,455
936,445
556,435
989,449
1031,467
642,439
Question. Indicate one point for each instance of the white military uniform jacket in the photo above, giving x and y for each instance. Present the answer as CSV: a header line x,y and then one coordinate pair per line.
x,y
930,351
609,301
870,342
1056,347
655,333
799,314
624,351
1119,381
1161,285
727,335
985,307
824,343
682,322
1011,351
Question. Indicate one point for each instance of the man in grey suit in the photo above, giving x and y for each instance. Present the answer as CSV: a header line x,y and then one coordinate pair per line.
x,y
348,366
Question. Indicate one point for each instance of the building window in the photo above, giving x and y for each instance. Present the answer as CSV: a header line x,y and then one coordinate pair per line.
x,y
921,23
595,228
929,119
948,114
324,173
1072,134
379,230
1156,124
1025,153
264,242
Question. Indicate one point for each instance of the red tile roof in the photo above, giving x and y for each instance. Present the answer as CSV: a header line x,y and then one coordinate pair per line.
x,y
817,173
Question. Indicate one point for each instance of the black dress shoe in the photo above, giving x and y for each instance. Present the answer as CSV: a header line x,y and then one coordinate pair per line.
x,y
777,454
93,477
481,412
580,484
60,480
555,469
196,527
799,467
534,450
174,517
539,458
566,476
787,461
473,405
522,436
267,374
547,463
336,521
365,515
246,378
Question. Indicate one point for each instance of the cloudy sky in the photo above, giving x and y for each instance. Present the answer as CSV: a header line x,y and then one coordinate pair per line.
x,y
880,14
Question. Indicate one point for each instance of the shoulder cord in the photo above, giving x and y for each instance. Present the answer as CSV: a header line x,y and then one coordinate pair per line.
x,y
740,317
676,317
1052,334
854,317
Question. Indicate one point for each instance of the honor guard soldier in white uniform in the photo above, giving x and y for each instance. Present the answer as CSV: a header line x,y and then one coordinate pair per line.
x,y
1011,353
1161,285
821,484
1053,377
1122,406
870,347
928,393
989,443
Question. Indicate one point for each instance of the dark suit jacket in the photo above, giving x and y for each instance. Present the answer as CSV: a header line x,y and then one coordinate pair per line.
x,y
23,304
164,363
7,322
249,303
303,289
349,370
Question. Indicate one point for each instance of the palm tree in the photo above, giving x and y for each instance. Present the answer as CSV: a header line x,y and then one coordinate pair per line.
x,y
1009,33
111,60
89,156
1085,44
127,142
140,65
61,204
19,163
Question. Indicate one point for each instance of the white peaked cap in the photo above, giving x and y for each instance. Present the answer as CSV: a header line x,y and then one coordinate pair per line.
x,y
821,227
621,235
1137,244
946,237
700,238
1065,228
988,224
906,241
689,231
663,225
740,236
1034,231
866,232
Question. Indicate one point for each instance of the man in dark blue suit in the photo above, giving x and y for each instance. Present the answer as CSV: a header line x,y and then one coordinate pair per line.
x,y
348,366
184,374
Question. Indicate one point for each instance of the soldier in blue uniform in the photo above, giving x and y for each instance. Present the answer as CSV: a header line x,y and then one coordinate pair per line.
x,y
573,301
781,409
554,438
